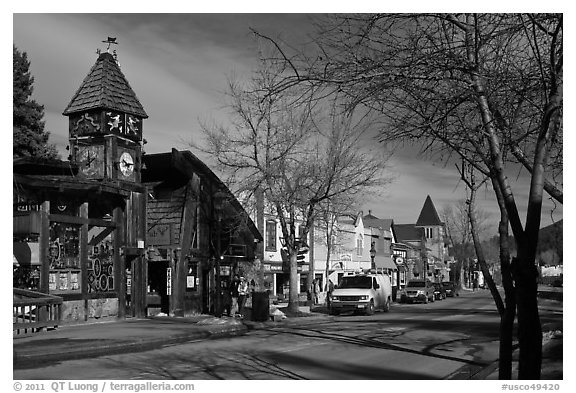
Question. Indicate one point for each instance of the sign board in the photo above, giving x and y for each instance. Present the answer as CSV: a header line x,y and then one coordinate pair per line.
x,y
128,283
190,281
169,281
224,270
345,257
159,235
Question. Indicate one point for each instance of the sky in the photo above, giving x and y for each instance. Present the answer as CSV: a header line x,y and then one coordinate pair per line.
x,y
178,66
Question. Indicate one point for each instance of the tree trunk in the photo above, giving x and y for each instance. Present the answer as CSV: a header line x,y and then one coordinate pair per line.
x,y
480,253
312,266
293,292
507,319
529,329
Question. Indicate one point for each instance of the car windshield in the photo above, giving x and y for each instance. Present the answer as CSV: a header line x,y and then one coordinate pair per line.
x,y
448,285
362,282
416,284
436,285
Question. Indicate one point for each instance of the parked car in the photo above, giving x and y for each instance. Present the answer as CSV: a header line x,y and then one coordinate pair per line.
x,y
363,292
439,291
418,291
450,288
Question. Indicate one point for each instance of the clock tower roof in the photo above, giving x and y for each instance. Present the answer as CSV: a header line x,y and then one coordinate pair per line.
x,y
105,87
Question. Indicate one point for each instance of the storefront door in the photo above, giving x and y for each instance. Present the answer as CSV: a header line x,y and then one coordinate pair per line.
x,y
158,295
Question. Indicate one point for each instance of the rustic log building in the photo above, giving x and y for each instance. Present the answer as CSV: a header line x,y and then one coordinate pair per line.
x,y
116,233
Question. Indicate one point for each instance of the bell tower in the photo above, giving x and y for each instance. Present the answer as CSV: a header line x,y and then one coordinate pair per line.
x,y
105,123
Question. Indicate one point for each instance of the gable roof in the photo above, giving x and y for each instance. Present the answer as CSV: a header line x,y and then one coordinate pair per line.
x,y
176,164
369,216
407,232
105,87
428,215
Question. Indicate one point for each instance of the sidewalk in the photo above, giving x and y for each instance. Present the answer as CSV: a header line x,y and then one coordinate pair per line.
x,y
132,335
118,336
552,360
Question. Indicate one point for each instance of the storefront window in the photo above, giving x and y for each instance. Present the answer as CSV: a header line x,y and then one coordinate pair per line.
x,y
26,262
64,258
100,260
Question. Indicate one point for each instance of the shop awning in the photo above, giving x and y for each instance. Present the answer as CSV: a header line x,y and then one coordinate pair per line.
x,y
385,263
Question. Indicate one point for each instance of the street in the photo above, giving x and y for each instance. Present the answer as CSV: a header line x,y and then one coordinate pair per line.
x,y
413,341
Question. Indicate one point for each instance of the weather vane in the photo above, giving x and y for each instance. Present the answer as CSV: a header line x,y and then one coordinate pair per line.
x,y
110,41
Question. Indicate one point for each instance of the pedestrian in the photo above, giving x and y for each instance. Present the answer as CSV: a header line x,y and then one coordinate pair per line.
x,y
316,290
329,290
243,292
233,289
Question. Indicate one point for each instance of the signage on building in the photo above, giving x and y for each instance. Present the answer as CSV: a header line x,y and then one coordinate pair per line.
x,y
346,257
169,281
26,207
224,270
159,235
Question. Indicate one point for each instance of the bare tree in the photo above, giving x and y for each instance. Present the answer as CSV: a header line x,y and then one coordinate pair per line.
x,y
327,221
485,87
299,157
457,222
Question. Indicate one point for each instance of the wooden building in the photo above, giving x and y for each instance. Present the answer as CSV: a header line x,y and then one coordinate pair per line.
x,y
115,233
85,216
198,235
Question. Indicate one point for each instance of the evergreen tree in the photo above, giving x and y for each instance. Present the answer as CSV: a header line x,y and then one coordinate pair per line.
x,y
29,137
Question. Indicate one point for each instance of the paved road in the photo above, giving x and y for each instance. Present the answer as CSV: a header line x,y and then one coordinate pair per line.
x,y
455,336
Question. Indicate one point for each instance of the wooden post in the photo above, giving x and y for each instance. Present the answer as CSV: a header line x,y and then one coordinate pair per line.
x,y
44,246
135,228
187,232
84,256
110,149
119,268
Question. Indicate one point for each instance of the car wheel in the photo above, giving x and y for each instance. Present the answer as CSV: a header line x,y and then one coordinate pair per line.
x,y
432,300
370,309
426,300
387,305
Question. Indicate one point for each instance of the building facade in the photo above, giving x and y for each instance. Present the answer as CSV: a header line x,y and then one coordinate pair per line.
x,y
116,233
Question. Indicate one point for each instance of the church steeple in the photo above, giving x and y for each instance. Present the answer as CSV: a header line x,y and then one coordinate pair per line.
x,y
428,215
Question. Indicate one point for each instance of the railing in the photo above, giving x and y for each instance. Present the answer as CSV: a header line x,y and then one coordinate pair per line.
x,y
34,311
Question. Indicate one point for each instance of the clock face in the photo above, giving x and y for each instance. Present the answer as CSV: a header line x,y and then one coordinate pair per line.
x,y
126,164
90,159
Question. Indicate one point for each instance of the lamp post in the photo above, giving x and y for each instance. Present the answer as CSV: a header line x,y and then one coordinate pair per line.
x,y
218,201
372,256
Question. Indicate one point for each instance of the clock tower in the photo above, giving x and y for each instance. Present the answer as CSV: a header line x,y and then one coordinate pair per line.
x,y
105,124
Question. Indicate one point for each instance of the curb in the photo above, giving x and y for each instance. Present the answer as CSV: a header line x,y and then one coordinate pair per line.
x,y
26,361
290,321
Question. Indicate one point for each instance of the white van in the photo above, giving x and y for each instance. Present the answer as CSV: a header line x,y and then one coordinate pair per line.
x,y
362,292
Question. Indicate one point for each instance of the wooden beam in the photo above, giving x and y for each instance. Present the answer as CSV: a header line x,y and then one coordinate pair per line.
x,y
44,246
119,261
84,255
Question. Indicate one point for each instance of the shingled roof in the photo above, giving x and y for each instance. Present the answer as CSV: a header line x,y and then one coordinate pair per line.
x,y
428,215
105,87
407,232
